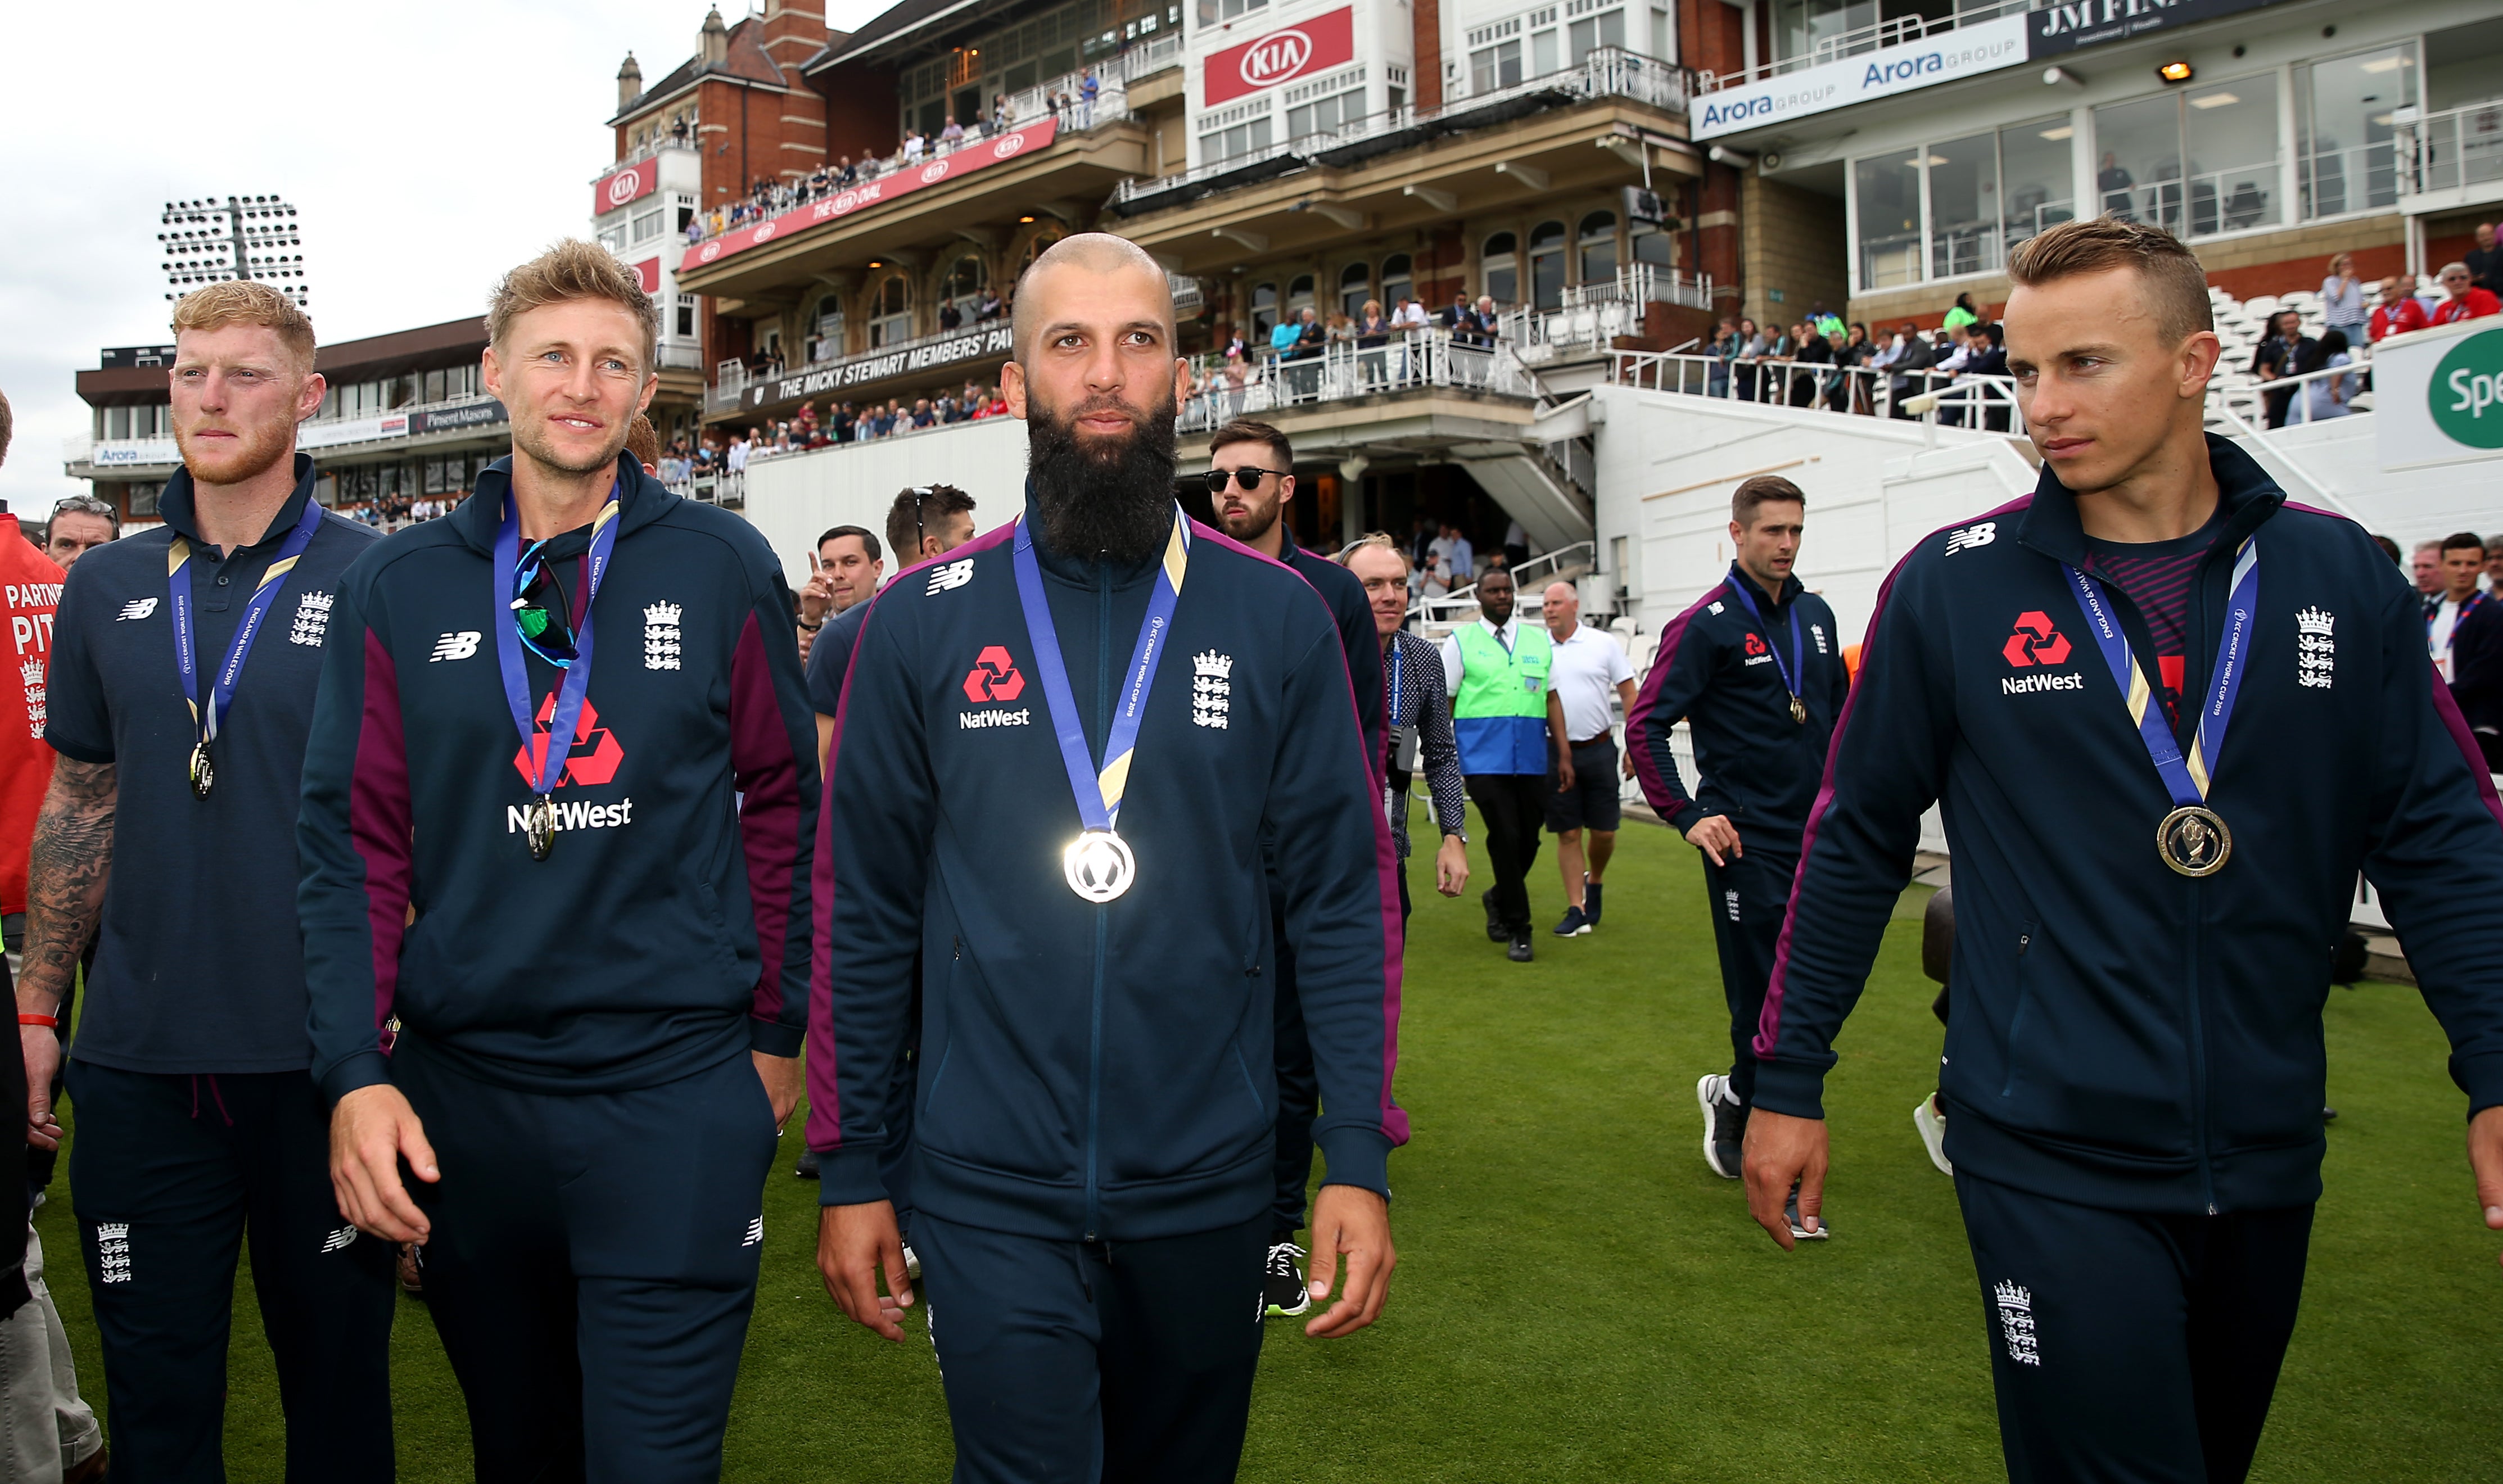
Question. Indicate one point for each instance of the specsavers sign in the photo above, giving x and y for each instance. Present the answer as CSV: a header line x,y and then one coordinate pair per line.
x,y
2437,395
1872,75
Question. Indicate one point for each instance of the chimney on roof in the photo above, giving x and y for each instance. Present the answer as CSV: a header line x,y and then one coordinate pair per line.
x,y
712,43
794,30
629,83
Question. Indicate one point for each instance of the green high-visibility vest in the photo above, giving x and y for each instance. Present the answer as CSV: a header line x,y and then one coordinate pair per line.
x,y
1499,718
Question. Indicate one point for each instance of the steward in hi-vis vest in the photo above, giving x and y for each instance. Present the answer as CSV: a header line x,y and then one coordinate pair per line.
x,y
1497,671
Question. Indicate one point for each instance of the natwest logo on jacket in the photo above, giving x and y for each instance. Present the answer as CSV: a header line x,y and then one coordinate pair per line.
x,y
593,757
2035,642
994,677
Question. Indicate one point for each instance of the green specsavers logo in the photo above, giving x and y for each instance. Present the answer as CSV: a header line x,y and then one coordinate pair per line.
x,y
2466,396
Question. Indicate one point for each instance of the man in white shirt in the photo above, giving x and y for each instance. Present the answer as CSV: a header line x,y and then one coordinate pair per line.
x,y
1588,664
1409,316
1464,558
2463,558
736,461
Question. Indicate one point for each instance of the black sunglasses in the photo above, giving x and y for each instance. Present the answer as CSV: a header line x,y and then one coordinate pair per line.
x,y
1247,478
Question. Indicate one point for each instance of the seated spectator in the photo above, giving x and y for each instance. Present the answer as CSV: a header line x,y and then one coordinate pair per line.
x,y
949,315
2330,395
2467,301
2400,310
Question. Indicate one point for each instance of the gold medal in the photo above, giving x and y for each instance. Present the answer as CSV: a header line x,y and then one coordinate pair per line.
x,y
2193,842
539,827
1799,711
204,776
1098,865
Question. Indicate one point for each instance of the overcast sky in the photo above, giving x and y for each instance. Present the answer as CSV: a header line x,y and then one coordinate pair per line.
x,y
425,148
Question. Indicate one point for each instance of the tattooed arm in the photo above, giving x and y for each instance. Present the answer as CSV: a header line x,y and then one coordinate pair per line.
x,y
72,861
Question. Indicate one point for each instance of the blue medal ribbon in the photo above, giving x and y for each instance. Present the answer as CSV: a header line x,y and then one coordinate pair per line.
x,y
2185,778
1098,790
576,684
1790,668
187,658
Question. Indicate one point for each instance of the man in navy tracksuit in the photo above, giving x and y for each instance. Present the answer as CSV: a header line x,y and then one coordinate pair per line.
x,y
595,1027
1093,1135
1755,669
1250,479
2169,716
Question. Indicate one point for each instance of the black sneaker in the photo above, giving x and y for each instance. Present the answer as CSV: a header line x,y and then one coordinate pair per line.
x,y
807,1169
1520,952
1287,1295
1798,1232
1590,890
1724,1126
1574,925
1496,933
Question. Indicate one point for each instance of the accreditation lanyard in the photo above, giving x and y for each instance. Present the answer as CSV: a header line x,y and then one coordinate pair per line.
x,y
1098,790
1399,664
178,581
2185,778
1798,662
2458,617
547,755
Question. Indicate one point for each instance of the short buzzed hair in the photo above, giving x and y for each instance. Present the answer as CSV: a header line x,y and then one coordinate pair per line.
x,y
643,441
2176,284
1097,252
241,301
572,269
1763,490
869,542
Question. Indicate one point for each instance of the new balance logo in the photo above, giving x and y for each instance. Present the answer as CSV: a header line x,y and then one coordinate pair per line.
x,y
949,577
137,607
455,645
755,1232
338,1240
2017,1322
1966,537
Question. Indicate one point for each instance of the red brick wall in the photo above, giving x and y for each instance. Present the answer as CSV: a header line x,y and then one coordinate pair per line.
x,y
860,110
1425,78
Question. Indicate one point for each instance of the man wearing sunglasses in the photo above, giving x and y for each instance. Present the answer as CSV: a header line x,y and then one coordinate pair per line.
x,y
1251,479
557,827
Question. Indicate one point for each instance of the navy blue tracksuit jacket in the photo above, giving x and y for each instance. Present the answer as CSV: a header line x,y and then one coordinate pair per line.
x,y
2124,1036
1099,1071
1716,670
668,932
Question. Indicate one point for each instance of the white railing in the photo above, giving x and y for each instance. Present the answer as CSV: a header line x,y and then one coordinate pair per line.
x,y
1986,402
1404,361
2246,404
682,357
2455,148
647,150
1592,316
1609,72
1894,31
1152,55
2357,178
714,487
2202,205
1438,610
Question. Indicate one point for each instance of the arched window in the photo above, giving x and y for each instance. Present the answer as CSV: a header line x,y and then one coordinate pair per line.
x,y
829,329
1398,281
963,285
1264,311
1040,242
1599,248
1355,286
1499,269
1299,295
1546,265
890,312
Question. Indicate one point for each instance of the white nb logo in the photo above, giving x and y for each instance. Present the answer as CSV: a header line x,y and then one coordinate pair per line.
x,y
953,575
1970,536
338,1240
138,608
455,645
755,1232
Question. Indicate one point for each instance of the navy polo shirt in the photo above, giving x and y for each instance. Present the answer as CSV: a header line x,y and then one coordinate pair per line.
x,y
829,659
201,966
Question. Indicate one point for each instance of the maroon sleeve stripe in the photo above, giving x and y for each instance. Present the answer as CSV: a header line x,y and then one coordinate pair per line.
x,y
1656,789
2466,741
379,824
768,772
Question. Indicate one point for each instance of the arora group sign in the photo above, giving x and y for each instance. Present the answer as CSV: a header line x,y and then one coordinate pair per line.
x,y
1889,69
1279,56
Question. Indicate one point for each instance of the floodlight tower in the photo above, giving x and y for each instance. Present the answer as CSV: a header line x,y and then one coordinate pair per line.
x,y
242,237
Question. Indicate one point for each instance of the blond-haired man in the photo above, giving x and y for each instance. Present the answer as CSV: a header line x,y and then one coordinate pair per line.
x,y
172,813
602,984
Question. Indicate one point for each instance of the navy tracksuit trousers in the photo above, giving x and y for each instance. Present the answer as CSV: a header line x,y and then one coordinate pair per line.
x,y
1074,1363
2130,1347
168,1174
1750,896
593,1265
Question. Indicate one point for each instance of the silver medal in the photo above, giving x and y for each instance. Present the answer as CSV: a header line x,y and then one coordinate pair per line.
x,y
204,775
1098,865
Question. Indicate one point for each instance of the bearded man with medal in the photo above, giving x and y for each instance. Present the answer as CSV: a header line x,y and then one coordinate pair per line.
x,y
1060,767
558,814
2169,716
185,664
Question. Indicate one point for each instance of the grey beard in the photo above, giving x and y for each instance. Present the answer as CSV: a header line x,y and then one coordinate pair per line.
x,y
1110,503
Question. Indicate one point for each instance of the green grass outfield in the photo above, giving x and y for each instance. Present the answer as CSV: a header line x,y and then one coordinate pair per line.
x,y
1579,1298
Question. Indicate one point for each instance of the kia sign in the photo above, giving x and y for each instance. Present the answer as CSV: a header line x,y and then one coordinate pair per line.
x,y
973,154
1281,56
1962,52
648,273
626,186
2438,395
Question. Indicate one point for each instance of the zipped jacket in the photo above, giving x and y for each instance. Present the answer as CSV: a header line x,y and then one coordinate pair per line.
x,y
2125,1036
1099,1071
1716,669
669,931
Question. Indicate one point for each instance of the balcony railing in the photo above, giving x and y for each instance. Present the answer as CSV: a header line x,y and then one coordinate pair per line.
x,y
1609,72
1892,31
647,150
1405,361
1148,58
2458,148
1592,316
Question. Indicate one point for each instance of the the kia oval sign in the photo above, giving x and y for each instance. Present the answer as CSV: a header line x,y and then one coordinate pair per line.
x,y
625,186
1279,56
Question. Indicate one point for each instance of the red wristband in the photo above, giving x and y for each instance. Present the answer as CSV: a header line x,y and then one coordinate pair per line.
x,y
53,1021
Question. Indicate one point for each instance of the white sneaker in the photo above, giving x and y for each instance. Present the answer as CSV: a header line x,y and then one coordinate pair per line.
x,y
1933,1125
911,1263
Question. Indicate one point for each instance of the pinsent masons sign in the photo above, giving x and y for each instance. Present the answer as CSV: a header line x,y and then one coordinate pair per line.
x,y
1889,69
980,343
1279,56
623,188
973,154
